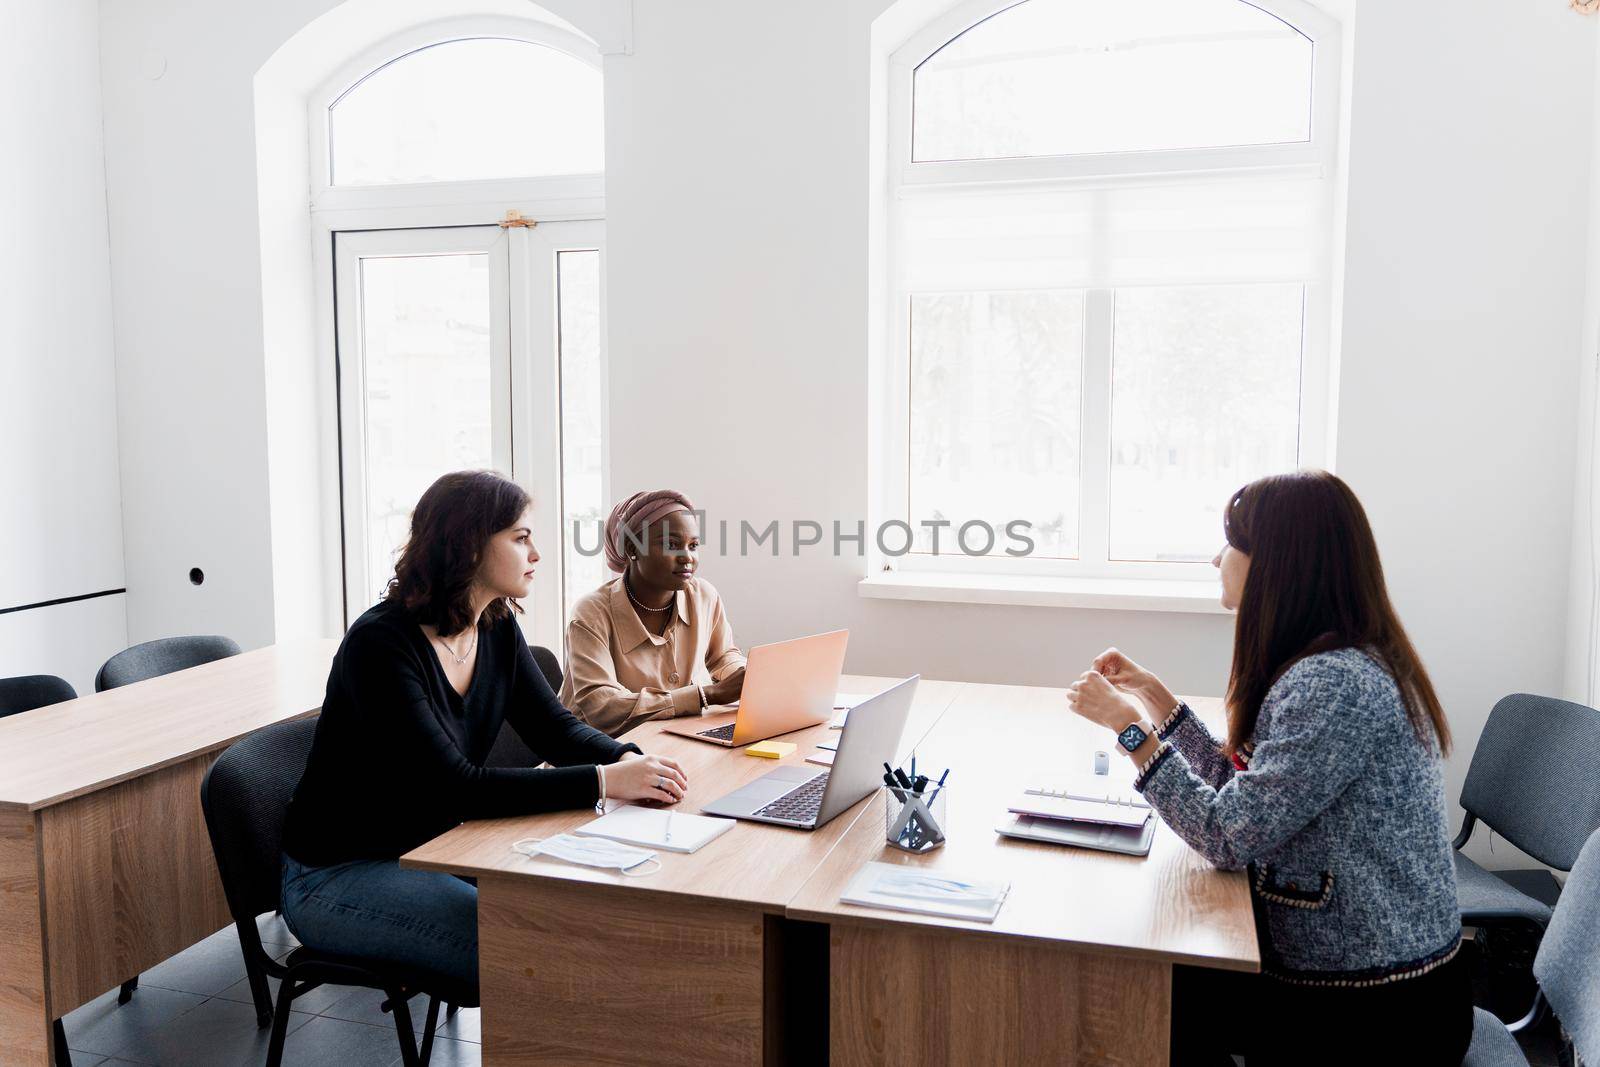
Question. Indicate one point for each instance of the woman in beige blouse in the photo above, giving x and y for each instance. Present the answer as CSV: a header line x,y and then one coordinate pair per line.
x,y
653,643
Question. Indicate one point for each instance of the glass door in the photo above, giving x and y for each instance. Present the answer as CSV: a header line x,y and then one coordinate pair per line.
x,y
471,347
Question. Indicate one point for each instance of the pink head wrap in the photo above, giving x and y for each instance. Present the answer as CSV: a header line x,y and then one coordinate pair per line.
x,y
634,514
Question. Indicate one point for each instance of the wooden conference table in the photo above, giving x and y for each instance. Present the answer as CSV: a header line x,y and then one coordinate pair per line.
x,y
742,952
105,865
732,955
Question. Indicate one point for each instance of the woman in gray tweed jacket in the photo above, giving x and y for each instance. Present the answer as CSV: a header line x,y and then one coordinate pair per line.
x,y
1327,789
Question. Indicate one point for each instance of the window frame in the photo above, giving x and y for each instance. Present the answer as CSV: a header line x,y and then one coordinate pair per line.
x,y
351,210
351,249
327,196
904,181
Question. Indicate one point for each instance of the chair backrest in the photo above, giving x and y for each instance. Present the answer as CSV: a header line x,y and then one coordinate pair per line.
x,y
508,749
31,691
164,656
1535,776
1568,964
549,665
245,797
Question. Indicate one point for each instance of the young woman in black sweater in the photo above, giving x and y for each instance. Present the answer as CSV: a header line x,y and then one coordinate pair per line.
x,y
418,692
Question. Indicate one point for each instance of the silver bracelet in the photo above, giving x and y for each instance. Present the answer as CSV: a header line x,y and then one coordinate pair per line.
x,y
600,804
703,704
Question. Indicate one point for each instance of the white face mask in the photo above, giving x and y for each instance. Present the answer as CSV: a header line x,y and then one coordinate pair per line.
x,y
590,852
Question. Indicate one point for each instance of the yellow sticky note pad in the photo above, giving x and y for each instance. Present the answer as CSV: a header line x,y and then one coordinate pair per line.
x,y
770,749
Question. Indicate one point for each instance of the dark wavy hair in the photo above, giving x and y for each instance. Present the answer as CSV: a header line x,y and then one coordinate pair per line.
x,y
1314,585
452,523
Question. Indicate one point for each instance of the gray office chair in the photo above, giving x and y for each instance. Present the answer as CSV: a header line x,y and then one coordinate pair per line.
x,y
164,656
29,691
152,659
1568,971
509,750
1534,780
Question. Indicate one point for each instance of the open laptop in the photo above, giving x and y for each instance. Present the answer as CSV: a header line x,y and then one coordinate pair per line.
x,y
787,686
806,796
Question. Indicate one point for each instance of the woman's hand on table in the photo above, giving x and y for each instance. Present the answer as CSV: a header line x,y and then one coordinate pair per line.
x,y
636,777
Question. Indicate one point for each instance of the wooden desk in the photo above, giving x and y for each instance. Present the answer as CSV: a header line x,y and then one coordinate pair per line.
x,y
1084,940
579,965
105,865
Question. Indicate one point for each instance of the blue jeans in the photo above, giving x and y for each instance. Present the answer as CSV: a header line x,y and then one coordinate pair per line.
x,y
376,910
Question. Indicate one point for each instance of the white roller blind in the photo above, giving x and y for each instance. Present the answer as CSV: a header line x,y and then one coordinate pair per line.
x,y
1212,230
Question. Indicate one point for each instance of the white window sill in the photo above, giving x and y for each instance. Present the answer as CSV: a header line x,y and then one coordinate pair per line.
x,y
1109,594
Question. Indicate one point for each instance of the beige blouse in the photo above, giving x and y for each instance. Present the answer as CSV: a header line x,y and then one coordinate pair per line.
x,y
619,674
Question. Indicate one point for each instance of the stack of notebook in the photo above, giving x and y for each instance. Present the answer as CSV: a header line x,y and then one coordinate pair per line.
x,y
1088,811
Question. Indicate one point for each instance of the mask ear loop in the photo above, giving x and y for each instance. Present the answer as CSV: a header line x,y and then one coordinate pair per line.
x,y
630,872
633,872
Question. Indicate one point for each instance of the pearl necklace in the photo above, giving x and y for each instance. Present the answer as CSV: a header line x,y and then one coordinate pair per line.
x,y
665,607
461,659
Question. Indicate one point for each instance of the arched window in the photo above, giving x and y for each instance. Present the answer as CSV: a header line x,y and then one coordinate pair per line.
x,y
468,110
1042,79
1106,236
459,184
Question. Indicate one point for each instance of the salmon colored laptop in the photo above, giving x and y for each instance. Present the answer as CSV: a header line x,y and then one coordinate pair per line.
x,y
788,686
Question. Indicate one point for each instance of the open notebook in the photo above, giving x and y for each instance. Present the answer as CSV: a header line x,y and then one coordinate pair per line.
x,y
665,829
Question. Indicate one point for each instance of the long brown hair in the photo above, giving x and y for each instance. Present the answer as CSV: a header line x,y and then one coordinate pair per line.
x,y
1314,585
450,527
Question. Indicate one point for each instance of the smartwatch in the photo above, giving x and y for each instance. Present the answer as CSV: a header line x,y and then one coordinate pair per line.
x,y
1132,737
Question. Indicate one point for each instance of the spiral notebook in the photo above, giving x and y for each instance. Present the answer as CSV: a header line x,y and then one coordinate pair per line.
x,y
1070,809
1129,840
1091,799
1087,787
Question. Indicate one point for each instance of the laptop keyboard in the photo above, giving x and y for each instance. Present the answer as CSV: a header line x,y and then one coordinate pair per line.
x,y
800,804
721,733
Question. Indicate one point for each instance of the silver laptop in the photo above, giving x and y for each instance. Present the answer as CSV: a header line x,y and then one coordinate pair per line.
x,y
807,796
788,686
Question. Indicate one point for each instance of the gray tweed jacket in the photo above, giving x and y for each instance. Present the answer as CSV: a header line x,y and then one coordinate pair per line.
x,y
1339,817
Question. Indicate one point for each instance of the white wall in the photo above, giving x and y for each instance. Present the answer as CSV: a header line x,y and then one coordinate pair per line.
x,y
737,221
1583,624
181,136
737,228
191,389
60,527
737,144
1464,298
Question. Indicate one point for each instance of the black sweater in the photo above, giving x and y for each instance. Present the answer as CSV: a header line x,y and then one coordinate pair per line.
x,y
398,755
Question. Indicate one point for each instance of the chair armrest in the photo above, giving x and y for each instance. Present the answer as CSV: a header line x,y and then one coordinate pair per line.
x,y
1533,1016
1466,831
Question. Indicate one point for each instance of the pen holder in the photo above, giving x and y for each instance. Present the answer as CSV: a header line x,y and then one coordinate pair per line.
x,y
914,822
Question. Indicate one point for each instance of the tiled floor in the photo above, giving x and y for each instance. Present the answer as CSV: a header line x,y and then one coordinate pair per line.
x,y
195,1009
